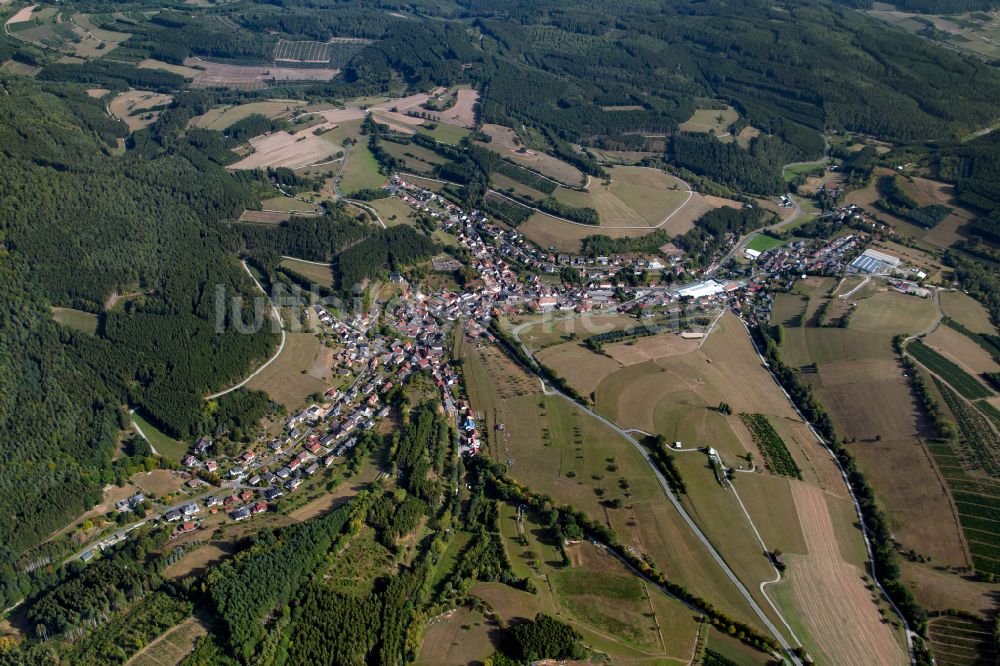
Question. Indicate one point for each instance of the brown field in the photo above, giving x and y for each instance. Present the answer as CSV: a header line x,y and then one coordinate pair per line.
x,y
283,204
171,647
402,104
967,311
708,120
635,197
19,68
459,637
159,482
962,350
580,367
286,380
222,117
200,560
22,15
245,77
186,72
321,274
843,621
506,142
128,106
650,348
97,93
548,331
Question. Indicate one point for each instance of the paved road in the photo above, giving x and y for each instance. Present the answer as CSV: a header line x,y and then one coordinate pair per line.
x,y
683,513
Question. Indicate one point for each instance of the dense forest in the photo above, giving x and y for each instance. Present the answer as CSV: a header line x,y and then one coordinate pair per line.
x,y
139,242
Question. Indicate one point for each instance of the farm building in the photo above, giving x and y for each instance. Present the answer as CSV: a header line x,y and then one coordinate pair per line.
x,y
873,262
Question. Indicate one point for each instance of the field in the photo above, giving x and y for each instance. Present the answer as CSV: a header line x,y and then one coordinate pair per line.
x,y
558,450
578,365
546,230
967,311
507,143
459,637
961,350
71,34
251,77
443,132
771,447
158,483
763,243
361,171
548,331
133,108
650,348
303,147
961,641
222,117
263,217
961,380
416,159
78,319
707,121
287,380
843,622
891,312
311,52
165,446
463,112
171,647
200,560
636,197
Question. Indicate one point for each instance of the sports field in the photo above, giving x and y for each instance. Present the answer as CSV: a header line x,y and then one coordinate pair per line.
x,y
635,197
763,243
286,380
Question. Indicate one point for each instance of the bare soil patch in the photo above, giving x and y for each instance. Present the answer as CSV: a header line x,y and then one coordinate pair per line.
x,y
294,149
840,613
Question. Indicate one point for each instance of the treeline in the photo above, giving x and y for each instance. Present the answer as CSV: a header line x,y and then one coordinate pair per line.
x,y
245,590
172,36
597,341
665,462
525,177
884,559
113,75
385,249
895,200
311,238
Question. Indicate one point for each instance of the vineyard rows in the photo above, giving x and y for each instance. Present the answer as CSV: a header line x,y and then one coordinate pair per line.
x,y
963,382
978,440
772,448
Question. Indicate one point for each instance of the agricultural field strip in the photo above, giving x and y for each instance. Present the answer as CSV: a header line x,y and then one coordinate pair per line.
x,y
772,448
954,375
665,486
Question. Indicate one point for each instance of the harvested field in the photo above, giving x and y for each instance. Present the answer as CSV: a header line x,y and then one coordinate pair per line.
x,y
843,621
506,142
285,380
459,637
402,104
97,93
251,77
578,365
300,148
636,197
967,311
172,647
133,108
22,15
650,348
961,350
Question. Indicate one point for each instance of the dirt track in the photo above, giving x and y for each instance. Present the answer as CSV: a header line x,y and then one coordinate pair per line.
x,y
830,595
